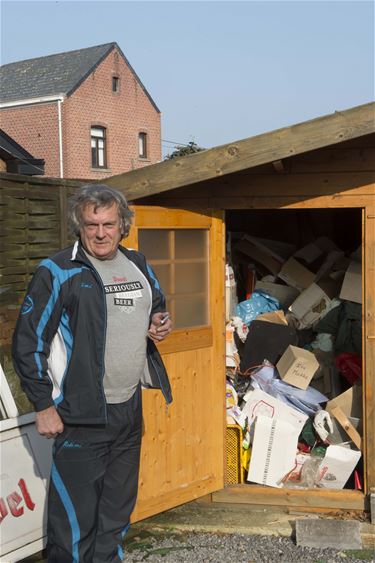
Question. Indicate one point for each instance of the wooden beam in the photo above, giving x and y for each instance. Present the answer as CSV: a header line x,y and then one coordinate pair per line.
x,y
279,166
314,498
247,153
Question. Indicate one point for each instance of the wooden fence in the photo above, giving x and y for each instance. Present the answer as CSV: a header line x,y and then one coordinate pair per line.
x,y
33,225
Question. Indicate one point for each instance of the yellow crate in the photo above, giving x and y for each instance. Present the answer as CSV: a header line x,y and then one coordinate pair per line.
x,y
235,471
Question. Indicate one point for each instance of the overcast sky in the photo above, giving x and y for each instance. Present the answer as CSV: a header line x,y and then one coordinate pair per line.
x,y
219,71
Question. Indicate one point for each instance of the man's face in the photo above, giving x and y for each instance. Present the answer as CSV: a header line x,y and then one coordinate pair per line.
x,y
101,231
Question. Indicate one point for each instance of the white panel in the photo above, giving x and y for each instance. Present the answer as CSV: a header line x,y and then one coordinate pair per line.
x,y
25,464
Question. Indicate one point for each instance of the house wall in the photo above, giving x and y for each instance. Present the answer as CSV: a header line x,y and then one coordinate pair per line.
x,y
124,114
35,127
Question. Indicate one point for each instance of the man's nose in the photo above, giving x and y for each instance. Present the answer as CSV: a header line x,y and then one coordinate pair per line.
x,y
100,231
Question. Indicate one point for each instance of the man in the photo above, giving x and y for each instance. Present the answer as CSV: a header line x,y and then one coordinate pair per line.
x,y
83,345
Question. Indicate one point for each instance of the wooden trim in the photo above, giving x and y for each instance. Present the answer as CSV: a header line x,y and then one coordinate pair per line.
x,y
287,185
217,305
275,202
186,339
159,503
369,346
247,153
315,498
155,217
319,202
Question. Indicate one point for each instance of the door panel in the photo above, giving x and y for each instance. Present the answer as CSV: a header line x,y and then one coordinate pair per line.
x,y
183,445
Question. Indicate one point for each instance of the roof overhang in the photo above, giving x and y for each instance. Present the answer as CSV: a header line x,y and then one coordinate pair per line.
x,y
32,101
247,153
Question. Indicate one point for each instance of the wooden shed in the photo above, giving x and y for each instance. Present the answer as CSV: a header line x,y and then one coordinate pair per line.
x,y
317,175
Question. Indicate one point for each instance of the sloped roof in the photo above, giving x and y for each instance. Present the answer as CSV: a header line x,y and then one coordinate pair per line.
x,y
247,153
61,73
18,159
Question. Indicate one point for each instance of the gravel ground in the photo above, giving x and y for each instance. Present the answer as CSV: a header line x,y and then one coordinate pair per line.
x,y
230,548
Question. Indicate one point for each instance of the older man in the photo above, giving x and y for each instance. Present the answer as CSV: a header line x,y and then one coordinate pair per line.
x,y
83,346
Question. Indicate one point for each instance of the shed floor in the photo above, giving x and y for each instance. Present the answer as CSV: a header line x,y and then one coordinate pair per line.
x,y
242,519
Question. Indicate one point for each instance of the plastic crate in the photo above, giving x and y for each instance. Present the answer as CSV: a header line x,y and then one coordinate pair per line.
x,y
235,472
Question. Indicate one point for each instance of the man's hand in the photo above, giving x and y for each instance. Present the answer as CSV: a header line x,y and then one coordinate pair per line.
x,y
161,326
48,423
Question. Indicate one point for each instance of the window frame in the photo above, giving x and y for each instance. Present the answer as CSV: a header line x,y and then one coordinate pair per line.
x,y
96,140
173,296
115,84
143,141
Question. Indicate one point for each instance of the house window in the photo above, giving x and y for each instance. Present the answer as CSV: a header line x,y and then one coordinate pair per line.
x,y
98,147
115,84
142,145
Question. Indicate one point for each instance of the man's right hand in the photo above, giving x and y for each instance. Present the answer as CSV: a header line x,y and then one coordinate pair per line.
x,y
49,423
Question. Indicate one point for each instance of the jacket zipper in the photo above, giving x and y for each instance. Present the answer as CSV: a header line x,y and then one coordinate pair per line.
x,y
91,267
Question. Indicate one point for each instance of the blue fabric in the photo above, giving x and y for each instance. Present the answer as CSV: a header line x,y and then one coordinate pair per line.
x,y
120,551
68,505
259,302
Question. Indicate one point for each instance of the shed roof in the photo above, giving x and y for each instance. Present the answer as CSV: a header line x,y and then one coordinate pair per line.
x,y
247,153
57,74
18,159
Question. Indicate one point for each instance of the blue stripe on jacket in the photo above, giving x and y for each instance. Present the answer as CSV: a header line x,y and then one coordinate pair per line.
x,y
60,276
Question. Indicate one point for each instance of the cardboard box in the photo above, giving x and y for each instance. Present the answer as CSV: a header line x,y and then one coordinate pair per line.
x,y
273,451
337,466
310,305
277,317
350,402
283,293
309,253
296,275
259,256
278,249
297,367
259,403
351,289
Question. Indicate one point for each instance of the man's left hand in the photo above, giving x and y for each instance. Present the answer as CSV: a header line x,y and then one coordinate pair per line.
x,y
160,328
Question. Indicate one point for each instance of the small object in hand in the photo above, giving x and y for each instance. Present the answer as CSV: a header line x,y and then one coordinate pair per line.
x,y
164,319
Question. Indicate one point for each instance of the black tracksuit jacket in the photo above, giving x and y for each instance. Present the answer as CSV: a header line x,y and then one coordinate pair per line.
x,y
59,340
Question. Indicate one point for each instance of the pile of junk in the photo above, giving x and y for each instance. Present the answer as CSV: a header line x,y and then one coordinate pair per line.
x,y
293,363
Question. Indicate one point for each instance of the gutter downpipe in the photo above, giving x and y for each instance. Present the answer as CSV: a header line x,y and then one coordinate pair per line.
x,y
59,102
44,100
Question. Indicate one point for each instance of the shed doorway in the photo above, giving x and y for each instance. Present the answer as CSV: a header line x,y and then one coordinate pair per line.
x,y
262,247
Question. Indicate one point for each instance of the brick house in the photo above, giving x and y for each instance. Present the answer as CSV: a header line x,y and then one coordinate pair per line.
x,y
85,112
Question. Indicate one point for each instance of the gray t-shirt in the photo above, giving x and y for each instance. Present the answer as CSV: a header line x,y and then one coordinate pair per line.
x,y
128,296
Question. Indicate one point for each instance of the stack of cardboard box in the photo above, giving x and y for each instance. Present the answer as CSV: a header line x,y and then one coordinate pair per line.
x,y
303,424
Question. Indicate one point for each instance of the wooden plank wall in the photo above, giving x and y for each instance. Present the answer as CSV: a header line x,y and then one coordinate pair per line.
x,y
33,225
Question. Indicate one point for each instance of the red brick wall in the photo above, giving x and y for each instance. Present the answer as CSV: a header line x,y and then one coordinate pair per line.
x,y
36,129
124,114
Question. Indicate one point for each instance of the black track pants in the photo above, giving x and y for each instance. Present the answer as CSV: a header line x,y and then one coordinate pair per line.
x,y
93,486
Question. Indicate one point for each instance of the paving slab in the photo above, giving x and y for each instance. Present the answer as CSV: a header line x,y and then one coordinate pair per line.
x,y
342,534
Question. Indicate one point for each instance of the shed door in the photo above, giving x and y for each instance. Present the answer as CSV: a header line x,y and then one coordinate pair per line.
x,y
183,445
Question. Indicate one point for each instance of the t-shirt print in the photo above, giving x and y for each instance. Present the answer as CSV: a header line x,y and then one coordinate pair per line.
x,y
125,294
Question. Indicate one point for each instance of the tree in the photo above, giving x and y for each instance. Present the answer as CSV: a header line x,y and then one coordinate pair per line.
x,y
183,150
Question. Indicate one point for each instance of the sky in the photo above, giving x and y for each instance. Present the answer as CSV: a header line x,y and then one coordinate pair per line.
x,y
219,71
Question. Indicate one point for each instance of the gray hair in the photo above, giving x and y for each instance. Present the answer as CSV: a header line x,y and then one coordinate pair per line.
x,y
98,195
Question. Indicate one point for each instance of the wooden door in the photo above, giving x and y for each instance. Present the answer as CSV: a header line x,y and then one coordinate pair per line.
x,y
183,445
